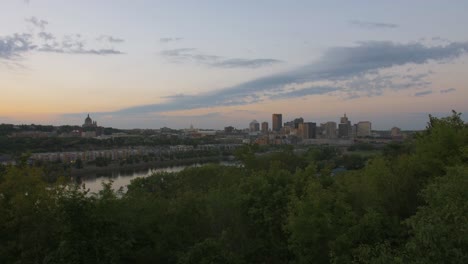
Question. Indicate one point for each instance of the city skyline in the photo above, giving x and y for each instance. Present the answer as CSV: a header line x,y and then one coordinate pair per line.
x,y
210,64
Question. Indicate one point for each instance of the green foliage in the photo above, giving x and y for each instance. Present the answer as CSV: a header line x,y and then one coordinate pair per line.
x,y
406,206
439,229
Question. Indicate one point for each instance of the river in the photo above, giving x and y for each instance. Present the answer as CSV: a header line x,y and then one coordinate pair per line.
x,y
122,178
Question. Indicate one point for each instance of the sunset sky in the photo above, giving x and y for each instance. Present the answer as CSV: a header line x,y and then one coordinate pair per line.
x,y
150,64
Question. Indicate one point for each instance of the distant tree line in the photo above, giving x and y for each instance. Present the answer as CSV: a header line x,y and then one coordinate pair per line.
x,y
13,145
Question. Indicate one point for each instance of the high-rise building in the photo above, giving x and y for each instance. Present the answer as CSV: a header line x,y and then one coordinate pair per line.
x,y
277,121
308,130
344,119
363,129
265,127
330,129
344,128
254,126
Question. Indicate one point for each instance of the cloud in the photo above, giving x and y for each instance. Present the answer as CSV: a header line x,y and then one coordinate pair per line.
x,y
110,39
14,46
449,90
79,50
355,70
175,96
314,90
244,63
440,39
423,93
74,44
46,36
167,40
191,55
372,25
39,23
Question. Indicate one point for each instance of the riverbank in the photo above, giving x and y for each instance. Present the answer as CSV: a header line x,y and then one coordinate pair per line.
x,y
91,170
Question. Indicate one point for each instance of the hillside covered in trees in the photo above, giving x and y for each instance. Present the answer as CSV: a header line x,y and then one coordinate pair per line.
x,y
408,205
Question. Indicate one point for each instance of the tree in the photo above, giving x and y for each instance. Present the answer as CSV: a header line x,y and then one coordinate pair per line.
x,y
439,230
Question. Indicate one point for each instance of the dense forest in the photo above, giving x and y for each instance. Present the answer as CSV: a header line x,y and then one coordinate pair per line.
x,y
407,205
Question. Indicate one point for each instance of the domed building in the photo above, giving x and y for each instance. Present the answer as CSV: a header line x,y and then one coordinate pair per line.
x,y
89,122
254,126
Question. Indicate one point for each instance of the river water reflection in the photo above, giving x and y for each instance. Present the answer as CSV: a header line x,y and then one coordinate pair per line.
x,y
122,178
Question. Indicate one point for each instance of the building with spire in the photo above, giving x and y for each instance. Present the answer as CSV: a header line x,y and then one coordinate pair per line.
x,y
89,123
344,128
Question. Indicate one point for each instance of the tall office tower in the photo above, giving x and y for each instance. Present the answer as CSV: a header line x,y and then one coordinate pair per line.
x,y
363,129
277,121
330,129
254,126
265,127
344,119
308,130
344,128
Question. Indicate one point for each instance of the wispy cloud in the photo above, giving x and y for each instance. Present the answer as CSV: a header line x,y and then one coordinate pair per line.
x,y
314,90
14,47
175,96
192,55
372,25
449,90
46,36
39,23
167,40
72,44
348,67
110,39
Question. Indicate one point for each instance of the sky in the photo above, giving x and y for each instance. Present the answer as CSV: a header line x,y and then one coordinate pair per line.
x,y
211,64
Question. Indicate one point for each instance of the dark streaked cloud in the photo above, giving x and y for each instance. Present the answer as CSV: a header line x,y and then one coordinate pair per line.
x,y
372,25
375,84
110,39
314,90
39,23
423,93
192,55
342,65
244,63
449,90
167,40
